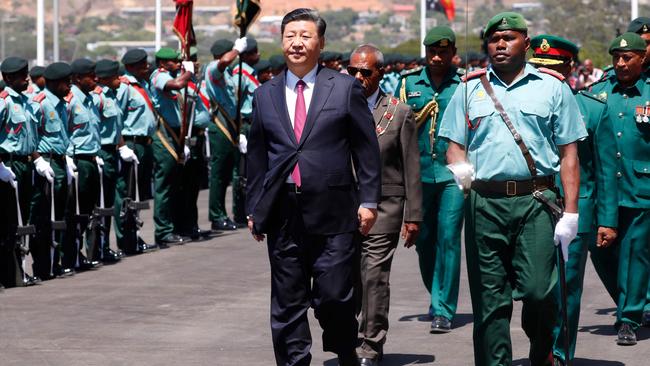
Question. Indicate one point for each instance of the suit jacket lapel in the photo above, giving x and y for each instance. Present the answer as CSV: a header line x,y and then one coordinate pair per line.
x,y
322,90
280,104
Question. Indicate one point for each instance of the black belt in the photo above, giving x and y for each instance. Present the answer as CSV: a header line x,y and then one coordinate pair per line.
x,y
60,157
144,140
86,157
14,157
293,188
511,188
109,147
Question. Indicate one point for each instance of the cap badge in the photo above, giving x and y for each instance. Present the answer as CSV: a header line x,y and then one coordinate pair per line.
x,y
645,28
623,43
504,21
545,46
444,43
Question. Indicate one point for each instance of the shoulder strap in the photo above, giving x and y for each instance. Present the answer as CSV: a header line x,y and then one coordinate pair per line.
x,y
39,97
474,75
4,94
551,72
520,142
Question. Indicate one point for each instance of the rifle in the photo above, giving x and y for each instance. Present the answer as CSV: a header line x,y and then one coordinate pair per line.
x,y
55,226
130,215
98,241
22,232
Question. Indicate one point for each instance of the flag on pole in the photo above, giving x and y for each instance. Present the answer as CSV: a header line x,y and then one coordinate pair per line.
x,y
246,13
445,6
183,26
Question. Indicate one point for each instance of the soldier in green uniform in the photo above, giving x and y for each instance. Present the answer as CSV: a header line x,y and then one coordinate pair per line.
x,y
51,111
627,94
17,145
166,91
224,141
597,205
263,71
514,150
138,128
108,98
428,91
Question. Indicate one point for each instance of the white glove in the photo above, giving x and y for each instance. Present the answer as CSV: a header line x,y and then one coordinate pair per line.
x,y
463,174
7,175
240,44
70,168
565,231
44,169
188,66
186,153
127,154
243,144
99,161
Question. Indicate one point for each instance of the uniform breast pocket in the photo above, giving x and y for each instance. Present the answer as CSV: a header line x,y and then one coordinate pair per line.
x,y
52,125
110,111
536,121
479,113
80,121
15,124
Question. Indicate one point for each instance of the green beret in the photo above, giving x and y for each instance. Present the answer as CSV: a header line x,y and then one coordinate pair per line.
x,y
166,53
251,44
134,56
36,72
552,50
627,42
107,68
57,71
506,21
221,46
639,25
82,66
277,61
13,64
442,34
262,65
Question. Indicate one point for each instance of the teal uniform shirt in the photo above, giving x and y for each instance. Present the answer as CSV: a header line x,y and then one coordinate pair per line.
x,y
248,85
17,123
220,88
418,91
52,114
542,109
32,90
139,118
108,105
84,124
629,109
388,83
165,102
202,105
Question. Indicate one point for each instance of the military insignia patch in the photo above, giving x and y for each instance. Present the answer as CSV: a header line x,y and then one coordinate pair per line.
x,y
645,27
380,130
623,43
480,94
602,96
52,115
16,108
504,21
545,46
414,94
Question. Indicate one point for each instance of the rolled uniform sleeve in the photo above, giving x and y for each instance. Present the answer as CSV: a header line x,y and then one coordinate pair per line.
x,y
453,124
568,126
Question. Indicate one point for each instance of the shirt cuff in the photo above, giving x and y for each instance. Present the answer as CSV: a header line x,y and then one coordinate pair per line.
x,y
371,205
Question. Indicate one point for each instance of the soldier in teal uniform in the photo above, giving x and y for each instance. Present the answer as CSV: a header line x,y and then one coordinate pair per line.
x,y
166,90
138,128
509,234
222,133
627,94
37,81
597,205
17,145
428,91
51,112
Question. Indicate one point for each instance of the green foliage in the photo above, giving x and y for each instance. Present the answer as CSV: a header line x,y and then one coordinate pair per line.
x,y
339,22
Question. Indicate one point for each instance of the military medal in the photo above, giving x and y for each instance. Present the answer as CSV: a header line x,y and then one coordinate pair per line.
x,y
387,116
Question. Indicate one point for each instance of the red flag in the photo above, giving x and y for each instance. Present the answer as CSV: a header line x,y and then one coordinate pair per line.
x,y
446,6
183,26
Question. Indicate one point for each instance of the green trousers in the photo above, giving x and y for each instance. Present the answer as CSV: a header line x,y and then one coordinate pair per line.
x,y
186,218
144,152
510,255
224,158
633,265
47,256
11,271
166,184
605,261
110,172
438,245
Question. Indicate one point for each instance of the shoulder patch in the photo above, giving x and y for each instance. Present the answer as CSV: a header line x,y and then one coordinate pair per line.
x,y
474,74
39,97
554,73
411,71
593,96
4,94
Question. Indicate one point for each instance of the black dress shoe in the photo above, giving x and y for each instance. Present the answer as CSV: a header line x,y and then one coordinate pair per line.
x,y
64,272
349,359
440,325
31,280
86,265
223,225
626,335
172,239
110,256
363,361
646,319
198,234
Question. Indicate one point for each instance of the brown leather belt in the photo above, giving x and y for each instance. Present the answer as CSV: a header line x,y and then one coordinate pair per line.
x,y
22,158
512,188
144,140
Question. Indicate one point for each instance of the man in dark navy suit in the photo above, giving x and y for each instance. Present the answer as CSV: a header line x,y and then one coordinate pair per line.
x,y
310,127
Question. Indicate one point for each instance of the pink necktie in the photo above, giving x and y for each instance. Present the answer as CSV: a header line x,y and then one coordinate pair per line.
x,y
299,124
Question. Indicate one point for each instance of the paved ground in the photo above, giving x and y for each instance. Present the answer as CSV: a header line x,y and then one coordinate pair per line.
x,y
207,304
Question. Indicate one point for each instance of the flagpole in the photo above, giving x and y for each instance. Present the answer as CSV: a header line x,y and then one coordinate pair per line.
x,y
158,16
635,9
55,30
423,25
40,32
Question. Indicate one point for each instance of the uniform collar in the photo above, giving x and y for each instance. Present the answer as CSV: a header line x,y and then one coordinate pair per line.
x,y
529,71
638,86
132,79
425,77
12,92
51,97
79,94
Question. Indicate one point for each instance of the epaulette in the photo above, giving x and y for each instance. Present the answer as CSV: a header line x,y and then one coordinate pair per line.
x,y
474,74
593,96
4,94
552,73
98,90
39,97
125,80
411,71
68,97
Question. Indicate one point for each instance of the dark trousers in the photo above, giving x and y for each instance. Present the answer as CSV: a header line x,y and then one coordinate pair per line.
x,y
224,157
88,196
192,172
309,270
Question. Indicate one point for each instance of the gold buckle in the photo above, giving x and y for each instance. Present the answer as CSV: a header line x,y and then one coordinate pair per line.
x,y
511,188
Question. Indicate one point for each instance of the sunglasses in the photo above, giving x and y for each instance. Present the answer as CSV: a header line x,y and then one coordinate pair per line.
x,y
364,72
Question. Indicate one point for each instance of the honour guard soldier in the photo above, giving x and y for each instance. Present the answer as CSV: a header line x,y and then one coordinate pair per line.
x,y
519,126
597,206
277,64
641,26
627,94
17,145
221,90
428,91
51,111
37,81
331,60
166,91
139,126
263,71
83,157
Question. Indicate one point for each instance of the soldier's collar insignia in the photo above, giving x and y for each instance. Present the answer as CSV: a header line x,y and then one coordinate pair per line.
x,y
413,94
645,28
623,43
444,43
602,96
504,21
545,46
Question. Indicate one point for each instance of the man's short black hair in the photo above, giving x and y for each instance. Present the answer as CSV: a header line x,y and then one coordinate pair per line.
x,y
304,14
